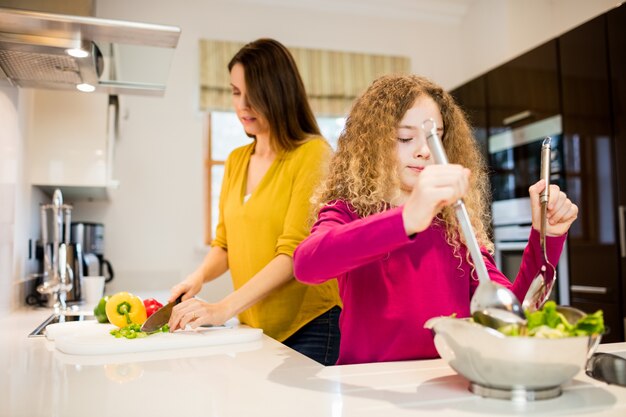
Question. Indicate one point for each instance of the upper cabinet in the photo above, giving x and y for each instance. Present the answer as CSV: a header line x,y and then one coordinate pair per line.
x,y
472,97
590,172
524,90
581,77
71,143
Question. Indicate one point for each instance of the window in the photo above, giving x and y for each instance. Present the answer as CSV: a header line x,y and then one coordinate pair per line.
x,y
225,133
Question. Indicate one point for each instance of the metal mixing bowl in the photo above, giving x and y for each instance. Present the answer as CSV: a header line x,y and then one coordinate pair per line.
x,y
523,368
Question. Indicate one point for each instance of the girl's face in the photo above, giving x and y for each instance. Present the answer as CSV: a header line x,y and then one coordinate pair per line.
x,y
254,124
412,149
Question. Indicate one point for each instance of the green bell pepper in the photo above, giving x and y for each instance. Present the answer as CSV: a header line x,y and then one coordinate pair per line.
x,y
100,310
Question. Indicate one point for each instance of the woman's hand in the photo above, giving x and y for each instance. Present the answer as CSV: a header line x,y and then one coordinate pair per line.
x,y
561,211
190,286
436,187
196,313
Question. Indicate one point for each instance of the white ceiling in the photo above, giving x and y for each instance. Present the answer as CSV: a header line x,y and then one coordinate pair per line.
x,y
438,11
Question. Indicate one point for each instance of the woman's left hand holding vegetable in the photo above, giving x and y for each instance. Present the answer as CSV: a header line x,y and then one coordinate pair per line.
x,y
197,312
561,211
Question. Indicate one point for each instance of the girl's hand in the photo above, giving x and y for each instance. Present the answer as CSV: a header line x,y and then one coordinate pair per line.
x,y
436,187
196,313
561,211
189,287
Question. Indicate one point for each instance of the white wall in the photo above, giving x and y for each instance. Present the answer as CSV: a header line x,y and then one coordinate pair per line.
x,y
9,143
495,31
154,222
18,216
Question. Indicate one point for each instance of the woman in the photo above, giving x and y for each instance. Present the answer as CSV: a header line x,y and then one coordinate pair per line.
x,y
264,213
387,230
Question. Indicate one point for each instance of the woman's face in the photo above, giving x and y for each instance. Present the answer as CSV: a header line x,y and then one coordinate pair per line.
x,y
254,123
412,150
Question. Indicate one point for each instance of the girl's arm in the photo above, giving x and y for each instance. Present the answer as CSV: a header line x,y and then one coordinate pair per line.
x,y
340,241
532,260
561,213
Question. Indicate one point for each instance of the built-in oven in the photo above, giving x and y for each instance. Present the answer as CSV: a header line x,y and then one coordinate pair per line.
x,y
515,160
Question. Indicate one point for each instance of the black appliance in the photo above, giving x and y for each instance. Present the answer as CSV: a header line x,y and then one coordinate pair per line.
x,y
90,236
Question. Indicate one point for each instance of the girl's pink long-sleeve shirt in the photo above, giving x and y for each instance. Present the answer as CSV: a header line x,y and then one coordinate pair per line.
x,y
390,284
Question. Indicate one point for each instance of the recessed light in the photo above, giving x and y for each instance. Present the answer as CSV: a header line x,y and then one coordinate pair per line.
x,y
84,87
77,53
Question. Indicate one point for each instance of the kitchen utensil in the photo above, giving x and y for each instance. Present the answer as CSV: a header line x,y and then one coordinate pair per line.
x,y
542,284
160,317
608,368
508,367
66,276
75,264
489,298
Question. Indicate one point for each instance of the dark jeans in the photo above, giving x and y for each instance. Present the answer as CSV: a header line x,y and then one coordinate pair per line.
x,y
319,338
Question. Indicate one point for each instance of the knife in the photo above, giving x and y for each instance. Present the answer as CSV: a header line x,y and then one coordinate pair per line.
x,y
607,368
160,317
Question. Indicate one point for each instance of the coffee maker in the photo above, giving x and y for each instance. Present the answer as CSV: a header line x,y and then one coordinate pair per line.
x,y
90,236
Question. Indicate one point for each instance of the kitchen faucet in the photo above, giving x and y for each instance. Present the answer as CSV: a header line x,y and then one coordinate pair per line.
x,y
58,276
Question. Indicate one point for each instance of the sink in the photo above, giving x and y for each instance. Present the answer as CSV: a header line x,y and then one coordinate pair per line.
x,y
61,318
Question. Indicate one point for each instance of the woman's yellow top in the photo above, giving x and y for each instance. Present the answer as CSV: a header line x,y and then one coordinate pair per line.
x,y
273,221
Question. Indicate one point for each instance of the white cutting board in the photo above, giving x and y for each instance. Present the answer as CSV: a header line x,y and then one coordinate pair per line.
x,y
93,338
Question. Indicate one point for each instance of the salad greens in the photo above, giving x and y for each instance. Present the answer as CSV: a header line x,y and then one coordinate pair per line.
x,y
549,323
133,331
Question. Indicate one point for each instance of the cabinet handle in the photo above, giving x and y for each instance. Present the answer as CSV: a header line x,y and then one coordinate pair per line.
x,y
622,230
588,290
517,117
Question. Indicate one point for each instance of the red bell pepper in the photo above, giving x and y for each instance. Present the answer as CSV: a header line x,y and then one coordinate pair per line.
x,y
151,305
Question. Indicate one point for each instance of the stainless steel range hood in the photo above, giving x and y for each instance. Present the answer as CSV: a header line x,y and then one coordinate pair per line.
x,y
56,51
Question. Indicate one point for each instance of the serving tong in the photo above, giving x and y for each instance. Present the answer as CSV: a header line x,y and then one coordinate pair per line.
x,y
541,286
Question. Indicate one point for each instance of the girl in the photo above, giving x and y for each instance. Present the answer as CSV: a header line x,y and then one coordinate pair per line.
x,y
264,208
385,226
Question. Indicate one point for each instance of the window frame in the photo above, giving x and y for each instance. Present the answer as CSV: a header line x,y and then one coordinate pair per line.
x,y
209,163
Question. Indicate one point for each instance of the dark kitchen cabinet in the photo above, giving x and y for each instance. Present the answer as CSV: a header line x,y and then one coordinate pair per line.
x,y
472,97
524,90
616,30
582,76
590,172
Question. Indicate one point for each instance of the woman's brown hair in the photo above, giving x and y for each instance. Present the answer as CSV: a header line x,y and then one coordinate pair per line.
x,y
275,90
363,171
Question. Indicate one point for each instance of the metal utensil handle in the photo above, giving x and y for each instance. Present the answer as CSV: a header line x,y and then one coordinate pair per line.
x,y
470,239
440,157
544,196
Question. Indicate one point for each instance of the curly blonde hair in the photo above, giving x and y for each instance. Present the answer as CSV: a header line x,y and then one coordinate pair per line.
x,y
363,171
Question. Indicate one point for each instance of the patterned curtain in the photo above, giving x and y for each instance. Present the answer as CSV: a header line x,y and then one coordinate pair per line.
x,y
332,79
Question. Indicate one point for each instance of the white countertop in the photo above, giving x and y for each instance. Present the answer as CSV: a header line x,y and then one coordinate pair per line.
x,y
262,378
